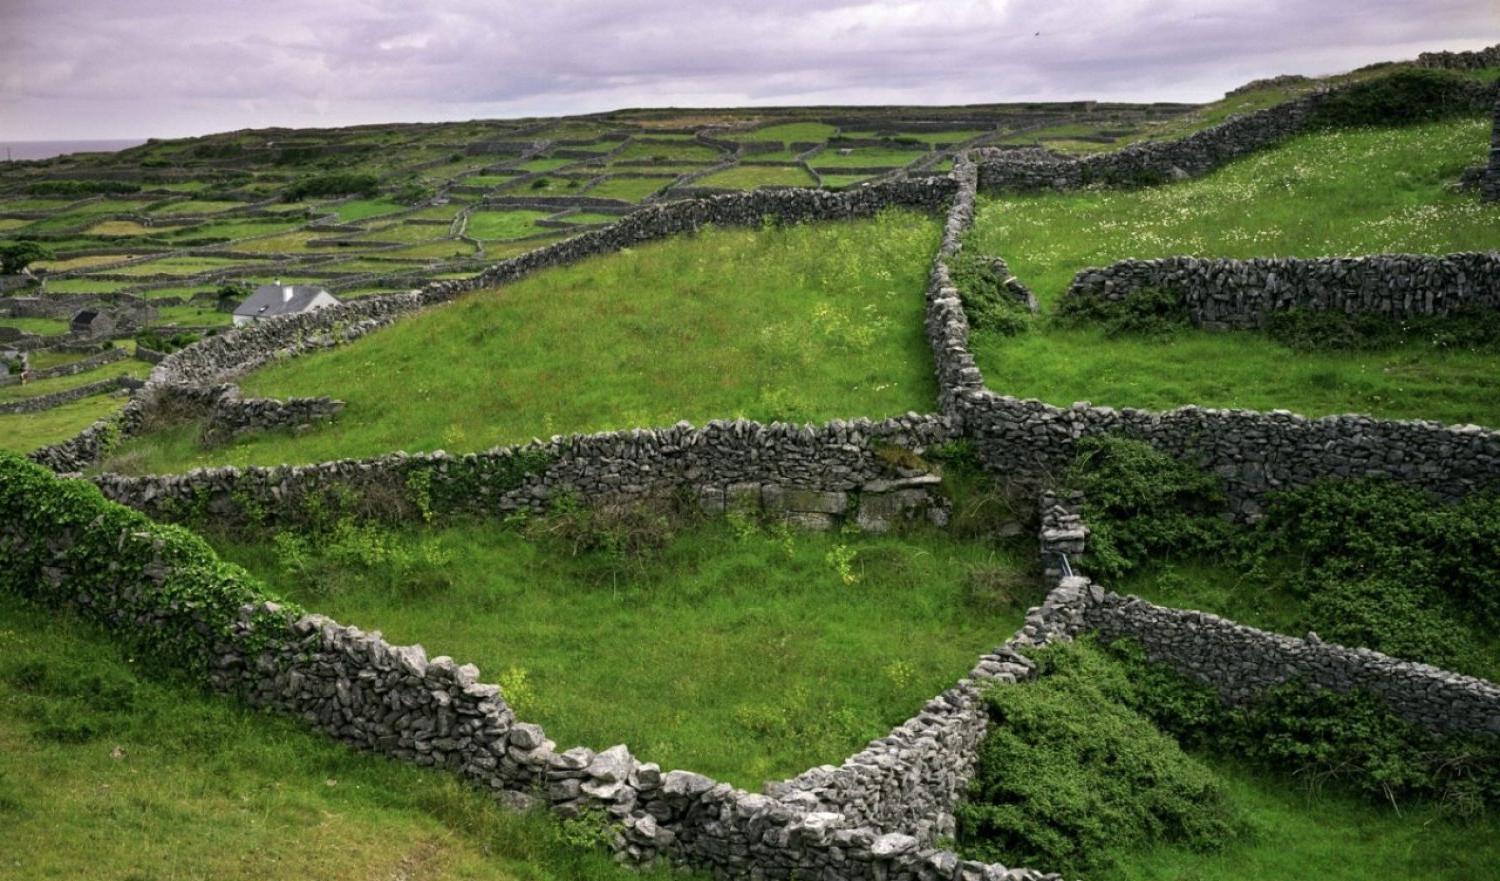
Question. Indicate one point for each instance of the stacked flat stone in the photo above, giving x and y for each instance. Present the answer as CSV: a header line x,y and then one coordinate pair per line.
x,y
1225,294
788,469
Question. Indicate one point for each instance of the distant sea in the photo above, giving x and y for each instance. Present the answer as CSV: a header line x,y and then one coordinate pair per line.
x,y
48,149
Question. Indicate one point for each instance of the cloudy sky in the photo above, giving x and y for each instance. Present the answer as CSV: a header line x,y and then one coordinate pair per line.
x,y
137,68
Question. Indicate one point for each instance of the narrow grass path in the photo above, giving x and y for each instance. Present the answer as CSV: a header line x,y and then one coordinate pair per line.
x,y
801,323
1343,193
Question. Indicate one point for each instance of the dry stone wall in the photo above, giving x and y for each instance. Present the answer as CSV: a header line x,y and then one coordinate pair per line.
x,y
832,470
1159,161
36,403
1241,662
1224,294
1476,60
396,701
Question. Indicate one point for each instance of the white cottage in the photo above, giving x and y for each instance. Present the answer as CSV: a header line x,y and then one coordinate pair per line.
x,y
271,300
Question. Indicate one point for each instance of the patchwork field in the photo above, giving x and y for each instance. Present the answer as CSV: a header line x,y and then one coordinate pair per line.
x,y
609,606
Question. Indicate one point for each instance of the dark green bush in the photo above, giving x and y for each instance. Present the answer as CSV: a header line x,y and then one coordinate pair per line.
x,y
989,306
1320,329
156,342
332,185
1405,97
1380,565
1154,312
1349,739
1140,504
159,586
1069,775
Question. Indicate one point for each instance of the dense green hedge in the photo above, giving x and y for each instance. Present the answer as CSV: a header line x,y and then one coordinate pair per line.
x,y
1351,739
1369,563
163,588
1141,504
1070,775
1403,98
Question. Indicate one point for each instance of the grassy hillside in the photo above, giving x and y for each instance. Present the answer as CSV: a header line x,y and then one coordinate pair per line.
x,y
1344,193
801,323
108,773
734,650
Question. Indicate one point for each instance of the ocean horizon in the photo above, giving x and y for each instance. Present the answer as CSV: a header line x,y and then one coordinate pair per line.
x,y
30,150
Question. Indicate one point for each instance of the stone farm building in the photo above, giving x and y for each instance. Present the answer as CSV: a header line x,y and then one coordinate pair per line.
x,y
91,323
271,300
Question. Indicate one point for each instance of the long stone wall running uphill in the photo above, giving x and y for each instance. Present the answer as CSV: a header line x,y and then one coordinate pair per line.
x,y
1159,161
1222,293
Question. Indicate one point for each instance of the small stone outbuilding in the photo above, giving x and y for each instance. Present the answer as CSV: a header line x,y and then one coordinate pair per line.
x,y
92,324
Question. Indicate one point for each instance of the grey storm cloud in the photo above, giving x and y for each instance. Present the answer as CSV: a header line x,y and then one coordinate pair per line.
x,y
117,68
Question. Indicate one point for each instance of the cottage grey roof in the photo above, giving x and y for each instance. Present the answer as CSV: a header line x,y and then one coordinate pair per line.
x,y
86,316
272,299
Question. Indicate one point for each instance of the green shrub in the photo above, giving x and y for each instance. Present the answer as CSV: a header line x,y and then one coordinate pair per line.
x,y
1403,98
1349,739
159,586
989,306
1069,775
1322,329
1140,503
1149,311
1380,565
332,185
155,341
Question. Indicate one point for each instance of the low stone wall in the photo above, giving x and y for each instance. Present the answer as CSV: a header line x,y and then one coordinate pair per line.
x,y
57,399
233,415
83,365
946,322
1222,293
1476,60
1160,161
396,701
1241,662
1252,452
723,460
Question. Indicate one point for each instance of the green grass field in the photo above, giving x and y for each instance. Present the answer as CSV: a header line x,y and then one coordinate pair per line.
x,y
748,177
836,158
24,432
802,323
1345,193
790,132
490,225
630,189
1300,832
109,773
126,367
737,652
